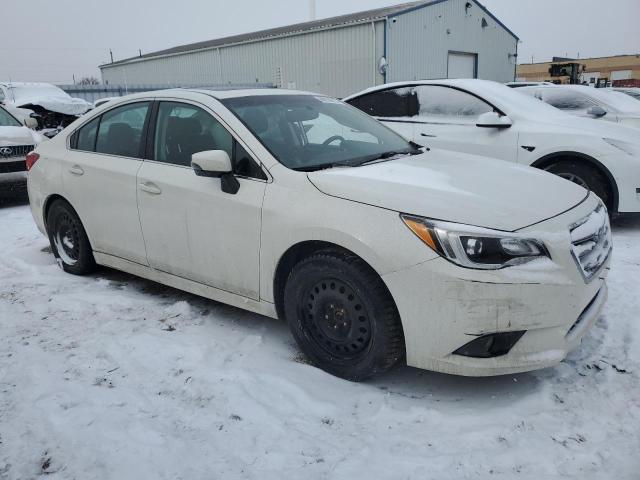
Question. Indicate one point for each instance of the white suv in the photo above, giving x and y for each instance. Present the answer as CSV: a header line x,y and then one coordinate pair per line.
x,y
298,206
488,118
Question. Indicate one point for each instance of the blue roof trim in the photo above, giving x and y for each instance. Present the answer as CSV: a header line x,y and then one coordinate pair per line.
x,y
435,2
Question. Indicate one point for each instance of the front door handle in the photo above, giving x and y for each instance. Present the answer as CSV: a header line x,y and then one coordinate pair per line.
x,y
150,188
76,170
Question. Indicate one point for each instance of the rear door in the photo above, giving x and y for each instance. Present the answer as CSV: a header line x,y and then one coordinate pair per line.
x,y
99,178
192,229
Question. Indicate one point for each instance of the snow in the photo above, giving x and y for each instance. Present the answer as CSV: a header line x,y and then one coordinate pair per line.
x,y
113,377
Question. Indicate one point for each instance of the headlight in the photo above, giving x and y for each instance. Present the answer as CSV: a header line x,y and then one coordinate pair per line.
x,y
475,247
628,148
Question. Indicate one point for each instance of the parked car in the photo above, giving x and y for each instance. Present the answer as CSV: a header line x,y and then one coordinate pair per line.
x,y
631,91
488,118
53,108
595,103
16,141
298,206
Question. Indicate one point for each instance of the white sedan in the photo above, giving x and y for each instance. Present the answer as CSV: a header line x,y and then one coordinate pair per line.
x,y
487,118
595,103
298,206
16,141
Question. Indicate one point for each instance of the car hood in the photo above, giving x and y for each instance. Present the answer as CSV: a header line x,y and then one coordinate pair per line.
x,y
58,104
455,187
17,136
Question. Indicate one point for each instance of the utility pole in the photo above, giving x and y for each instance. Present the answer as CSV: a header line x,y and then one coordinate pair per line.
x,y
312,10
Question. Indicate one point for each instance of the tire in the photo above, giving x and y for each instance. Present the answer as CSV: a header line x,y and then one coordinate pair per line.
x,y
342,316
586,176
69,242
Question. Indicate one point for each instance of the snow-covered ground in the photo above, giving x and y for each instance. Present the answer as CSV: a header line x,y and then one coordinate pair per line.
x,y
113,377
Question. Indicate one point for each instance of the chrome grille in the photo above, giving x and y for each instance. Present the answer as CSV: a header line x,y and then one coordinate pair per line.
x,y
591,242
14,151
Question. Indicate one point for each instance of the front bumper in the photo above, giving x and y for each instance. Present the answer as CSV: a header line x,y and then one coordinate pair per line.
x,y
444,307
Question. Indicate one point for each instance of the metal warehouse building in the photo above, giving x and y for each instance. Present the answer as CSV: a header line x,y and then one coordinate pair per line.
x,y
342,55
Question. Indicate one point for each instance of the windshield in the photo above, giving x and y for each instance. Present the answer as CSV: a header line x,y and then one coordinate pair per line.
x,y
306,132
8,120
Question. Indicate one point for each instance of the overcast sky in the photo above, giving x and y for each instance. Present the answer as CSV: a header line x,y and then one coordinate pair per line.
x,y
51,40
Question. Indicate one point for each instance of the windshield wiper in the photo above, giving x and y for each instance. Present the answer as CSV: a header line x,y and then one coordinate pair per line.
x,y
387,155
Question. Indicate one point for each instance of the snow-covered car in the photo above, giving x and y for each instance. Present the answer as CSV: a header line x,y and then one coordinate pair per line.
x,y
526,84
595,103
52,107
298,206
490,119
633,92
16,141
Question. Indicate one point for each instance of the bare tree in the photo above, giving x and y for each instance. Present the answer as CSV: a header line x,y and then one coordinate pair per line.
x,y
89,81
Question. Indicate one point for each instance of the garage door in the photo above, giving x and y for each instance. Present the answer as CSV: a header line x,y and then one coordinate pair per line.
x,y
462,65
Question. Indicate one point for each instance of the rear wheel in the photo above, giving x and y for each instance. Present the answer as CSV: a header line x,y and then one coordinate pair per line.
x,y
69,242
586,176
342,316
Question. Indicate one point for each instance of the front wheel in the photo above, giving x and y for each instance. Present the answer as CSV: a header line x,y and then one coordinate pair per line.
x,y
69,242
342,316
586,176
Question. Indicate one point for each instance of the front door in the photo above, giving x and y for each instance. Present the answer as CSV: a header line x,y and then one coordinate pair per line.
x,y
192,229
447,118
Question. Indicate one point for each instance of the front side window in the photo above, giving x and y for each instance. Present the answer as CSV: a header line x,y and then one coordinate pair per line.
x,y
306,132
446,103
182,130
7,120
121,130
566,100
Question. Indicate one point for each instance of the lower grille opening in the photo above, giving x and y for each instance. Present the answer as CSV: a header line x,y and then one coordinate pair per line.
x,y
12,167
490,346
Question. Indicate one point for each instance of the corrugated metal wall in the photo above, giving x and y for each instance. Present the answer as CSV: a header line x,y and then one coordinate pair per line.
x,y
418,43
336,62
344,60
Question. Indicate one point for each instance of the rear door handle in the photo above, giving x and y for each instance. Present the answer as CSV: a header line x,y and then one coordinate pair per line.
x,y
428,135
76,170
150,188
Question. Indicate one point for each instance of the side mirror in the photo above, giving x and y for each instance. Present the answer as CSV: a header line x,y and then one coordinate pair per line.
x,y
216,164
493,120
30,122
596,111
212,163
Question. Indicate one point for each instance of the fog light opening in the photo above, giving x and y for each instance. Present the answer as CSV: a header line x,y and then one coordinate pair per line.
x,y
490,346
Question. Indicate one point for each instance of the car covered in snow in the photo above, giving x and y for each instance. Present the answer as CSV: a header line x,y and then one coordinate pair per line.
x,y
595,103
487,118
52,107
296,205
633,92
16,141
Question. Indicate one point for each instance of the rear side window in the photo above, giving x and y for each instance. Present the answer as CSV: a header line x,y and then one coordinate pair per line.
x,y
395,103
121,130
86,136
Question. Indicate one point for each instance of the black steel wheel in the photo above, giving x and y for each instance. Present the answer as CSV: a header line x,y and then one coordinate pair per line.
x,y
342,316
69,242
